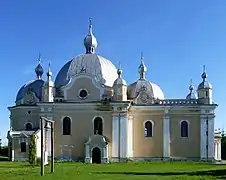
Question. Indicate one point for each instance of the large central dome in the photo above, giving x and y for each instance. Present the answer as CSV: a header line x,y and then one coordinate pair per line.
x,y
90,63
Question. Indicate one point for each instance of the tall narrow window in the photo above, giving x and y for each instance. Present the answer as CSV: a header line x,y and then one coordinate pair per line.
x,y
66,126
28,126
23,147
148,129
98,126
184,129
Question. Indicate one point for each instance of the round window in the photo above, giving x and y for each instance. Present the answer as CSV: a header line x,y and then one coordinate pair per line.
x,y
83,93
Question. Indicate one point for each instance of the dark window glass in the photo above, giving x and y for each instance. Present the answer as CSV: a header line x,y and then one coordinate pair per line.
x,y
184,129
66,126
23,147
28,127
148,129
98,126
83,93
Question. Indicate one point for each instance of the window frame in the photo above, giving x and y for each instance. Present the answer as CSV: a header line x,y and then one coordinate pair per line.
x,y
188,126
70,128
102,121
152,129
26,126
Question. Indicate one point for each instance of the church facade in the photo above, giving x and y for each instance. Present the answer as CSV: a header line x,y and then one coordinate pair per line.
x,y
98,118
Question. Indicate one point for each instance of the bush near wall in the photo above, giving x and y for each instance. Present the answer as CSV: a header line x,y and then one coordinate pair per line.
x,y
223,147
4,151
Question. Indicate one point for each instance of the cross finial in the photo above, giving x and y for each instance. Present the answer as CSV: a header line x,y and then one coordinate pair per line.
x,y
39,57
141,55
90,21
204,68
119,65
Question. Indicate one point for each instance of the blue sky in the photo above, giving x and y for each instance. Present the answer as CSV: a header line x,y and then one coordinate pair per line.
x,y
176,37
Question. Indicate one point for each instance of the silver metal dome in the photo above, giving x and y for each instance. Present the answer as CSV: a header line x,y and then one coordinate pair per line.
x,y
192,94
119,80
35,86
91,64
153,89
90,42
204,84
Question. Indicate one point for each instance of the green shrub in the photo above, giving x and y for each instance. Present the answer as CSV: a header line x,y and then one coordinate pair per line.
x,y
32,154
38,161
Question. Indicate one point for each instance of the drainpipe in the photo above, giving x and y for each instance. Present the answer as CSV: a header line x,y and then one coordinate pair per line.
x,y
119,139
207,138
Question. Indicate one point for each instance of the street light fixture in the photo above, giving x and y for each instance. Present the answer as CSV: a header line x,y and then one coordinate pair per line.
x,y
47,122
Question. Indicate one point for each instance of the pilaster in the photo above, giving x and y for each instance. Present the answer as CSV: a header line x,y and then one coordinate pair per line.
x,y
115,136
166,136
211,119
203,141
207,137
219,149
123,136
130,137
13,150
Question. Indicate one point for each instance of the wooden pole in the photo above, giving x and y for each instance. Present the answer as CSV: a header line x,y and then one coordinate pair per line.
x,y
52,147
42,153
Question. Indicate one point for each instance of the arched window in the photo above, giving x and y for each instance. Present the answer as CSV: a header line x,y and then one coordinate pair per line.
x,y
28,126
148,129
184,129
98,126
66,126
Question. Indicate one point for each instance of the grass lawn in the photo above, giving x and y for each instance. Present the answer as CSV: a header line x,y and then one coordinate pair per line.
x,y
154,170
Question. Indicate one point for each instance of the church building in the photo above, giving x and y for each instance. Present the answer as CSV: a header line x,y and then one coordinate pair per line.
x,y
99,118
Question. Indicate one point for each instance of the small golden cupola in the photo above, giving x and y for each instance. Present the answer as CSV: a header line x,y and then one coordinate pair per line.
x,y
119,87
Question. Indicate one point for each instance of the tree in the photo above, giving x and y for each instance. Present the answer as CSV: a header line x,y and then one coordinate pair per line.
x,y
223,146
32,154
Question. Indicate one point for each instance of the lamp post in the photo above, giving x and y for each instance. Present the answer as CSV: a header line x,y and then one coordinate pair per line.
x,y
47,121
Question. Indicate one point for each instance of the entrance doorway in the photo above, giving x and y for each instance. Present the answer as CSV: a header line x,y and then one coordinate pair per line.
x,y
96,155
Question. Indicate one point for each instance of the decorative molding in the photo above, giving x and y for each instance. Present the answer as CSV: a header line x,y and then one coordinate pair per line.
x,y
73,80
185,121
149,121
83,98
